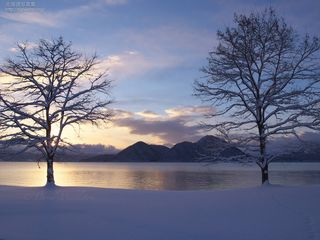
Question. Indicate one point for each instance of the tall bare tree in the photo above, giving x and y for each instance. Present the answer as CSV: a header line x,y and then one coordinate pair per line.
x,y
48,88
263,80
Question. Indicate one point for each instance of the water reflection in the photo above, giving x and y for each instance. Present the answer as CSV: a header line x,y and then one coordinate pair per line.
x,y
22,174
172,176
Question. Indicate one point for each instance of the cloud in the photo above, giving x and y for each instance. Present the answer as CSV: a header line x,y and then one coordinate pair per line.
x,y
169,40
115,2
93,149
47,18
189,111
28,45
157,49
5,38
56,18
176,125
165,53
148,114
42,18
120,114
294,13
132,63
170,131
35,17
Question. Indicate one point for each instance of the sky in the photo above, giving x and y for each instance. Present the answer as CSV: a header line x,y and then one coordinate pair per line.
x,y
153,50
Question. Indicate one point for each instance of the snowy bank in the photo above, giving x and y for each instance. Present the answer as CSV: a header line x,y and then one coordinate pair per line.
x,y
263,213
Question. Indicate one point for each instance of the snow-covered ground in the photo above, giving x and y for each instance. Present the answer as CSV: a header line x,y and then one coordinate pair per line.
x,y
263,213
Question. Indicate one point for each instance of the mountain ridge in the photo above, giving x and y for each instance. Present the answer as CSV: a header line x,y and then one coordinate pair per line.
x,y
207,149
180,152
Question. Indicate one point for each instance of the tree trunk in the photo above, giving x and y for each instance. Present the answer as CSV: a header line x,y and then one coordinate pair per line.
x,y
265,174
50,176
264,165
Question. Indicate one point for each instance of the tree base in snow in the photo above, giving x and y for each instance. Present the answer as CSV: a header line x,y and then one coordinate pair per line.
x,y
50,185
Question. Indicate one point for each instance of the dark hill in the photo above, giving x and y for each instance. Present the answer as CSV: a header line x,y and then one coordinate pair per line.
x,y
211,146
181,152
141,152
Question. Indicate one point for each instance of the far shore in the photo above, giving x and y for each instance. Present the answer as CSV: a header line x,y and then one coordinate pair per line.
x,y
83,161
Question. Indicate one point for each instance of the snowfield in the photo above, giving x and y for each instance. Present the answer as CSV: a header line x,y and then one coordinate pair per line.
x,y
262,213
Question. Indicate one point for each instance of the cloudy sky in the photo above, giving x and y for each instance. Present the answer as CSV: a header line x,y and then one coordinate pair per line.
x,y
154,50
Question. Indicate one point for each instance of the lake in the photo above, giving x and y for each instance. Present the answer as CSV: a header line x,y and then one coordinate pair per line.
x,y
158,176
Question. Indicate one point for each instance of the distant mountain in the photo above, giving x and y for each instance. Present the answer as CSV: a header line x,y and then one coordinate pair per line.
x,y
31,156
207,148
304,155
211,145
142,152
9,156
181,152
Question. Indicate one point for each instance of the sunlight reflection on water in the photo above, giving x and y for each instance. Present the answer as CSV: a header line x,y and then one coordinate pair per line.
x,y
157,176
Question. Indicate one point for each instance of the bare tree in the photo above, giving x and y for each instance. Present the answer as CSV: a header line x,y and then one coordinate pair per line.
x,y
263,80
48,88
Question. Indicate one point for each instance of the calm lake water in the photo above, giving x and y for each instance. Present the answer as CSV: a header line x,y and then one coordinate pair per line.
x,y
158,176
